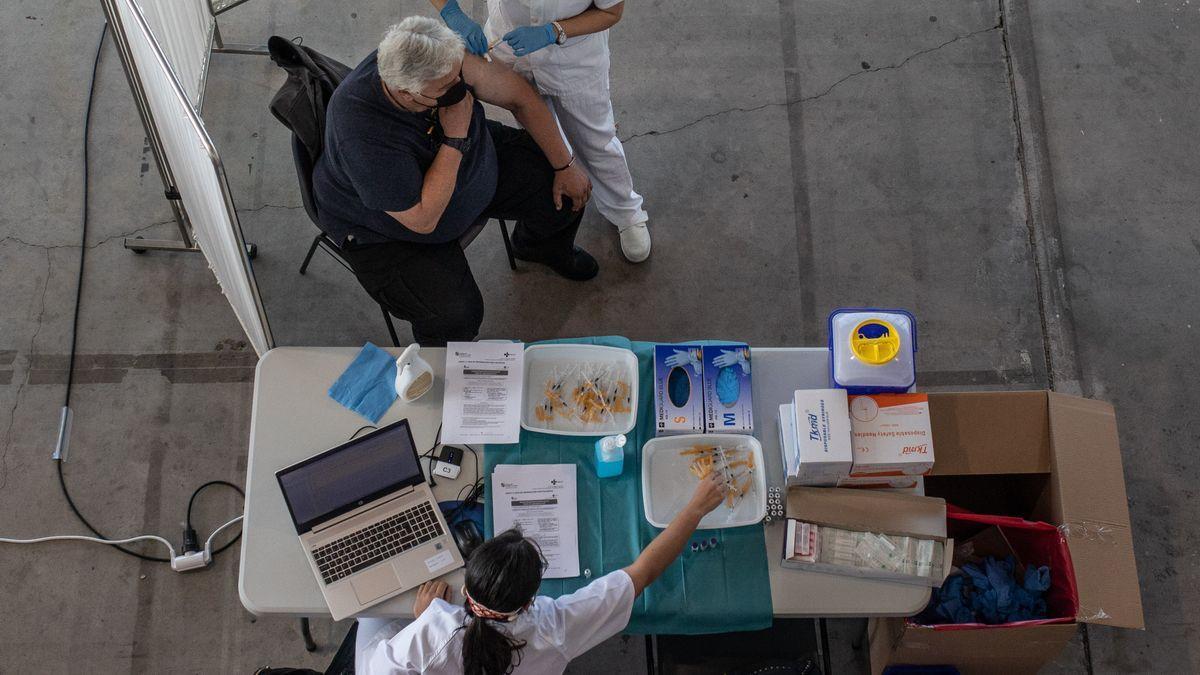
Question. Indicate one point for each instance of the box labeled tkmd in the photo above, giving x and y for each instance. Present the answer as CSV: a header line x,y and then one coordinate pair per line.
x,y
891,438
819,427
728,406
678,390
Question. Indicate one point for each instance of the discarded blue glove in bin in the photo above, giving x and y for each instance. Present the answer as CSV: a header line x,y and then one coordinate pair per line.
x,y
368,385
990,594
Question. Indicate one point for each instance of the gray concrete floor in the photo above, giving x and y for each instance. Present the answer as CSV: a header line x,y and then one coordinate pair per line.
x,y
795,156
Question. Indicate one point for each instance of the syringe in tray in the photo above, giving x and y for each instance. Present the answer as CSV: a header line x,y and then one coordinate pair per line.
x,y
735,466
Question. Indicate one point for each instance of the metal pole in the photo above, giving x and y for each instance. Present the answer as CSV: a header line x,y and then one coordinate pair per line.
x,y
306,632
213,38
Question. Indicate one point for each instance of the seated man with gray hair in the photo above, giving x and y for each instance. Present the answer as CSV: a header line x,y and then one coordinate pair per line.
x,y
410,163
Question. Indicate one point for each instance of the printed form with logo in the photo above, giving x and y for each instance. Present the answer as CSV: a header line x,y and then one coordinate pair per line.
x,y
540,500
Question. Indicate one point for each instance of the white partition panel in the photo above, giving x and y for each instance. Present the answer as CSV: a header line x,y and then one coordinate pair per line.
x,y
198,173
184,31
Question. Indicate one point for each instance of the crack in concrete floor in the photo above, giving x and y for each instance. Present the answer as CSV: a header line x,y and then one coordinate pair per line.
x,y
48,247
814,97
10,432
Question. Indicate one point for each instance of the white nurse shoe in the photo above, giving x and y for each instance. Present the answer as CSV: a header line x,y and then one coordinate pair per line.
x,y
635,242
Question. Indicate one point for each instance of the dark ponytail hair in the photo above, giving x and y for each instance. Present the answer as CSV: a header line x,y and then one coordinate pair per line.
x,y
503,575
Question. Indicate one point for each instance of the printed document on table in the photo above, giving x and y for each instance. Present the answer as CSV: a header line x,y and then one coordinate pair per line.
x,y
483,392
540,499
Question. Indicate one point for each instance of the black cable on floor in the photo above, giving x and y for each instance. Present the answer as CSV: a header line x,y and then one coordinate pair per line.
x,y
62,482
87,127
192,500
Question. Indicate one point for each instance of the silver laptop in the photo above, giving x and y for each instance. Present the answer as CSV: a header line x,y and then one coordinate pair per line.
x,y
367,520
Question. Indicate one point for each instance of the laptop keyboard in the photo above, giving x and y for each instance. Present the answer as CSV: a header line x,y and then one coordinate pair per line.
x,y
387,538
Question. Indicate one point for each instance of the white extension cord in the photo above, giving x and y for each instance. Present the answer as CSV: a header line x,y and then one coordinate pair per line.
x,y
185,562
75,537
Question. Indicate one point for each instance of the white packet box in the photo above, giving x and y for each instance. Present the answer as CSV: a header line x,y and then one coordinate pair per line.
x,y
821,432
891,438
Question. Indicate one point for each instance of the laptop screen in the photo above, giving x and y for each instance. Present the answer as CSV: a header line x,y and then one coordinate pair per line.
x,y
342,479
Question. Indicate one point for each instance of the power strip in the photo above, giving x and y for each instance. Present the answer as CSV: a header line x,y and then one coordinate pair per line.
x,y
190,562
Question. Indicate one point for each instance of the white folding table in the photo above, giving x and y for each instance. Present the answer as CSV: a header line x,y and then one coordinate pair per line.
x,y
294,418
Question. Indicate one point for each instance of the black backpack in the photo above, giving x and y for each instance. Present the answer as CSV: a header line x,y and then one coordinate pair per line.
x,y
300,103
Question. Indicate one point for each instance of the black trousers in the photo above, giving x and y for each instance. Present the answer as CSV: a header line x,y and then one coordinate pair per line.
x,y
431,285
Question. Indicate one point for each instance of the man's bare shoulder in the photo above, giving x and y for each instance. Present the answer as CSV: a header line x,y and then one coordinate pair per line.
x,y
493,82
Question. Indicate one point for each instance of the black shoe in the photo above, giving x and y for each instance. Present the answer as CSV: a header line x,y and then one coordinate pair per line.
x,y
579,265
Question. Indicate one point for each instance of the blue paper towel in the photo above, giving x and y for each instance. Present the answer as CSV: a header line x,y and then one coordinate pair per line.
x,y
368,385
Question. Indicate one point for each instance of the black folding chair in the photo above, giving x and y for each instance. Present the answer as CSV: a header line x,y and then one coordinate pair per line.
x,y
304,171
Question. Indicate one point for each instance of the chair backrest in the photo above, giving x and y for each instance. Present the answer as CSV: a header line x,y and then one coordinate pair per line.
x,y
304,174
300,105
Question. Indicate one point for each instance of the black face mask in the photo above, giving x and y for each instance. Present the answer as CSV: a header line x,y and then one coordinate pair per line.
x,y
454,94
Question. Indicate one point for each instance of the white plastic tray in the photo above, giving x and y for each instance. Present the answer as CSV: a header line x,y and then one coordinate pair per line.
x,y
540,363
667,485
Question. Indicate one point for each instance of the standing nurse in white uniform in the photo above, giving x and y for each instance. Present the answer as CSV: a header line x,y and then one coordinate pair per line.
x,y
561,46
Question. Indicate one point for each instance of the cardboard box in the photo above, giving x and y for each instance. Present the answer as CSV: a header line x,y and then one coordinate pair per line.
x,y
891,438
678,370
989,542
880,482
728,403
1019,649
889,513
820,437
1042,456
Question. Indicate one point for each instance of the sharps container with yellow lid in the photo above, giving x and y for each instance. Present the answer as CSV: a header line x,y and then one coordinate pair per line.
x,y
872,350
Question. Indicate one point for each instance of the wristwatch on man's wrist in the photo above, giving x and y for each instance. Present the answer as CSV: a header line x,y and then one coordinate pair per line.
x,y
460,144
560,33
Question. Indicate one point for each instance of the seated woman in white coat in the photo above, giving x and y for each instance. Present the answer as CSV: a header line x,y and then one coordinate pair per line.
x,y
561,47
503,626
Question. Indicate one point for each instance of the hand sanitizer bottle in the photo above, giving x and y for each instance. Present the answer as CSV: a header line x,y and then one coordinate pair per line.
x,y
610,456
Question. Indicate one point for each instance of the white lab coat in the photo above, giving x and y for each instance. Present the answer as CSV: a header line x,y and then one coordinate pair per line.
x,y
573,78
555,631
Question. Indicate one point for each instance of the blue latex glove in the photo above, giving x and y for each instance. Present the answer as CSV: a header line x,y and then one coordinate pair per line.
x,y
1000,576
1037,579
991,595
462,24
528,39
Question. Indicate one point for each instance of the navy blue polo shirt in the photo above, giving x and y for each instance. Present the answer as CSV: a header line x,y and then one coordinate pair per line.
x,y
375,159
